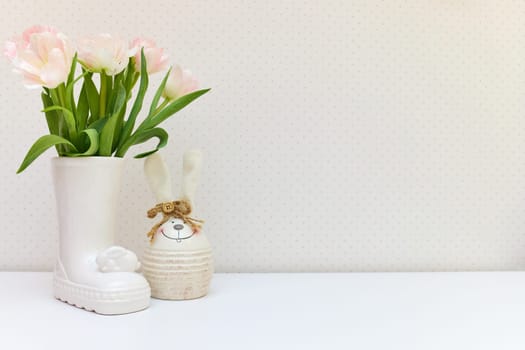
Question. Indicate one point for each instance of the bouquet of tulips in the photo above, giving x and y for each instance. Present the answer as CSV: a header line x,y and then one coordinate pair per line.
x,y
95,121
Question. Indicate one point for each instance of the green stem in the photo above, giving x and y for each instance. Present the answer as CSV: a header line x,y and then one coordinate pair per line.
x,y
103,93
62,129
62,94
124,148
53,93
136,76
145,123
55,129
129,142
162,105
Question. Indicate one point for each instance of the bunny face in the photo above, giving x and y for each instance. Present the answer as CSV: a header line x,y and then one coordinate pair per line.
x,y
175,235
175,229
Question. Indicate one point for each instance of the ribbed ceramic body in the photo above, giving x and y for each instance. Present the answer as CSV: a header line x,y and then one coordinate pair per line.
x,y
178,275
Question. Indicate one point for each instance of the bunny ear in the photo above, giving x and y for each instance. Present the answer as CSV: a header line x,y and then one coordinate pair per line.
x,y
158,177
191,170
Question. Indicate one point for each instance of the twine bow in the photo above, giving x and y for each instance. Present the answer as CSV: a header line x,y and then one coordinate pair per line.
x,y
180,209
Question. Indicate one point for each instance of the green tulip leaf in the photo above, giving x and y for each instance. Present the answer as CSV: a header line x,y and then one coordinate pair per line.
x,y
51,116
173,108
158,94
71,74
98,124
68,117
108,131
70,98
82,108
137,105
40,146
144,136
92,141
92,97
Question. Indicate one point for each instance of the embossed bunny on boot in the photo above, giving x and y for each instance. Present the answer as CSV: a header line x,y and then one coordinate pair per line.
x,y
178,262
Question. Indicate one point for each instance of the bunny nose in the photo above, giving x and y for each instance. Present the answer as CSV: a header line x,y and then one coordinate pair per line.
x,y
178,227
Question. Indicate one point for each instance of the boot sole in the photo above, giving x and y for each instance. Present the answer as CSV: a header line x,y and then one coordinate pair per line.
x,y
101,301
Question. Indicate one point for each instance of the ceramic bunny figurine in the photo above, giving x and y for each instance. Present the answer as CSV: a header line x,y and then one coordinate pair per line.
x,y
178,262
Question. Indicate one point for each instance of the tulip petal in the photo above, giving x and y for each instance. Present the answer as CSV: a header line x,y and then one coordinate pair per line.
x,y
29,62
54,72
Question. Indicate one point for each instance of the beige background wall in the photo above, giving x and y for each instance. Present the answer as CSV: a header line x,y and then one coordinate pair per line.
x,y
339,135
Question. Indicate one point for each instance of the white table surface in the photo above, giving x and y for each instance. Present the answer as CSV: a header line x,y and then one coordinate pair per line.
x,y
480,310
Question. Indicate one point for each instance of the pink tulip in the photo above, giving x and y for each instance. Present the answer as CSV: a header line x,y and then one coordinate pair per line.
x,y
180,82
22,41
104,53
42,55
26,35
156,60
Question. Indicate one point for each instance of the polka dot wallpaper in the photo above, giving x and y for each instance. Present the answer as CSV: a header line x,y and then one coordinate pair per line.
x,y
338,135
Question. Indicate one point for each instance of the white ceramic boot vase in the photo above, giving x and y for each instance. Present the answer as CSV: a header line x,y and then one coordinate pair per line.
x,y
91,272
178,263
